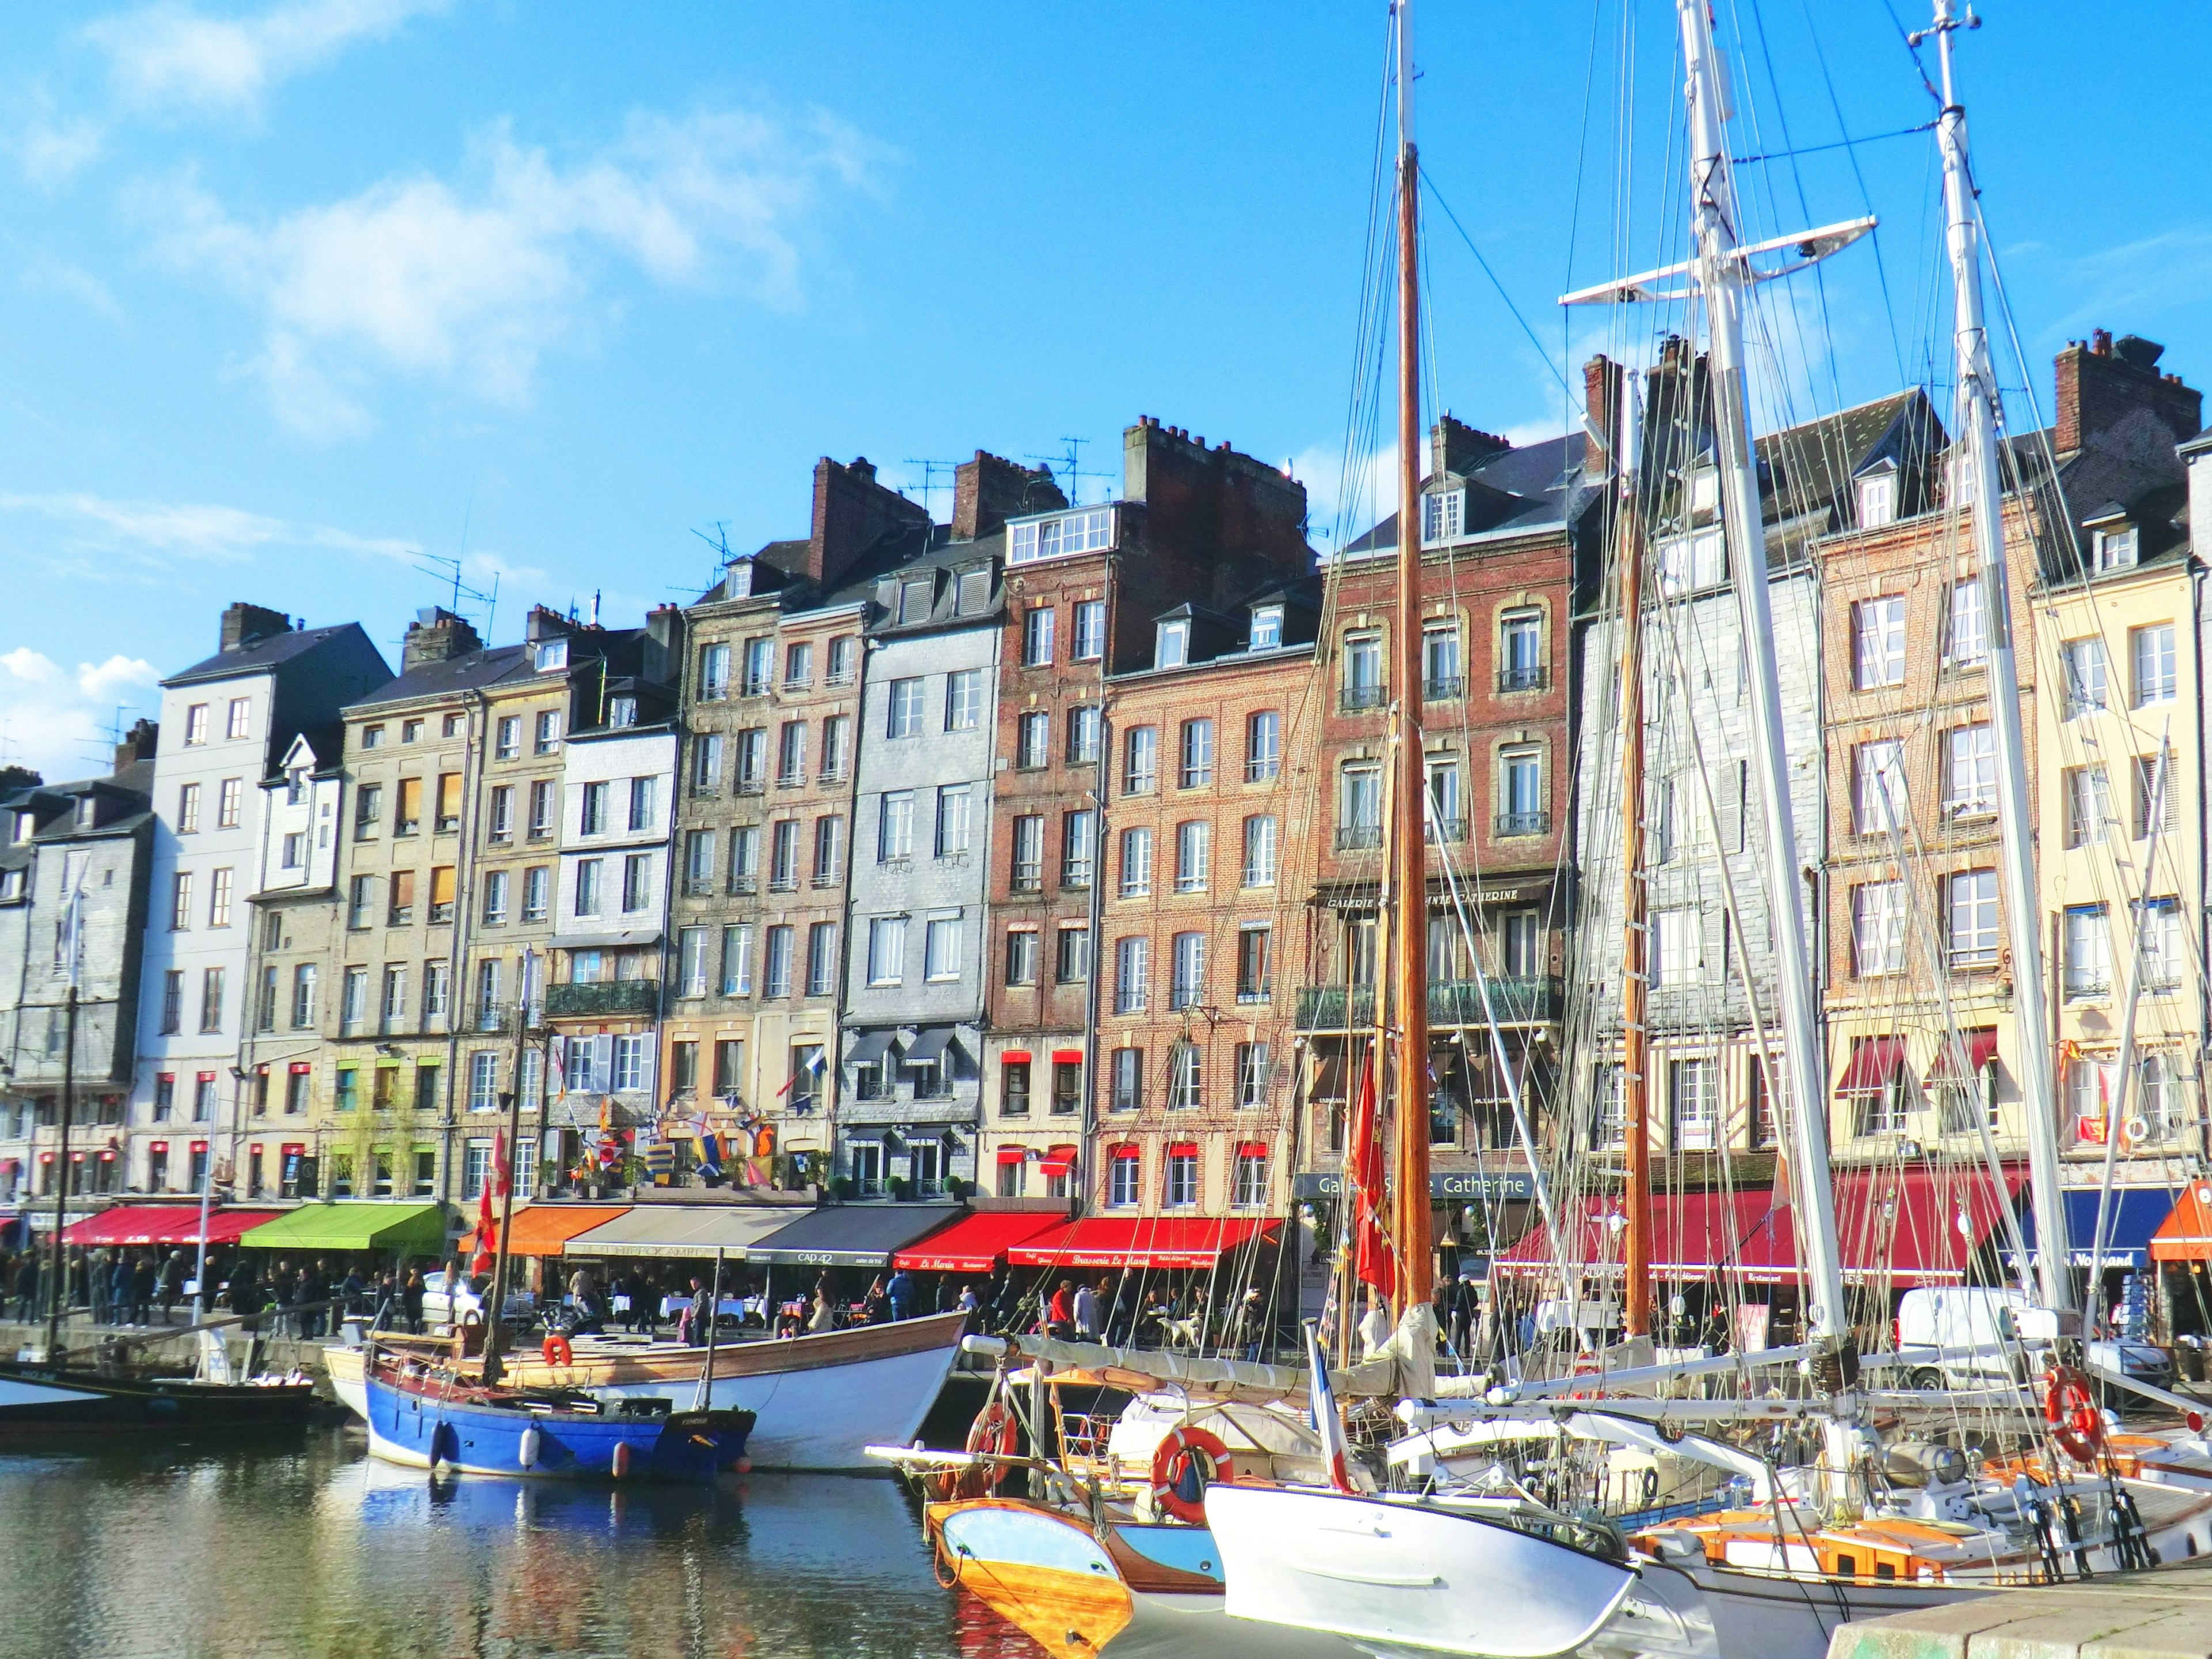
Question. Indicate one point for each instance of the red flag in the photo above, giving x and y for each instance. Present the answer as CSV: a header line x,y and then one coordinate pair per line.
x,y
487,1219
1371,1262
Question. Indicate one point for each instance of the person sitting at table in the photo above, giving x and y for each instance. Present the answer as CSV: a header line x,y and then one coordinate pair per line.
x,y
825,1317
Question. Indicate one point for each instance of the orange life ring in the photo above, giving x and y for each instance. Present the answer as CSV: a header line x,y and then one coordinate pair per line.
x,y
557,1351
2070,1407
1188,1461
992,1434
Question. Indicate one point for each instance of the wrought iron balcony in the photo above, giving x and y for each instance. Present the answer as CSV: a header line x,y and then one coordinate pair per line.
x,y
606,998
1451,1002
1534,678
1524,823
1354,698
1442,688
1353,837
1450,830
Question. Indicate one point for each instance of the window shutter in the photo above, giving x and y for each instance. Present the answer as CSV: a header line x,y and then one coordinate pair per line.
x,y
603,1064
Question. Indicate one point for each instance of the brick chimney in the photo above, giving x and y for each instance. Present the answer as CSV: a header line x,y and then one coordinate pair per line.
x,y
1601,391
244,624
662,650
1213,502
138,744
851,511
437,634
991,489
1455,446
2102,382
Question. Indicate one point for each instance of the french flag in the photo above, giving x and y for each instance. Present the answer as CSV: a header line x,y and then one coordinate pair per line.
x,y
1321,1407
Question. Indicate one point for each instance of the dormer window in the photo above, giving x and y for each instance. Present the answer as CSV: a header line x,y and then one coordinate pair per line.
x,y
1705,490
87,811
27,826
1267,627
1877,500
2116,549
1088,530
622,711
551,654
1443,515
1171,648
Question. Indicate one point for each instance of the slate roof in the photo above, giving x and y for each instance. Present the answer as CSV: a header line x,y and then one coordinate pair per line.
x,y
471,672
261,654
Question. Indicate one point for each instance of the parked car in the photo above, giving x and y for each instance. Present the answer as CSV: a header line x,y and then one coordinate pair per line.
x,y
442,1309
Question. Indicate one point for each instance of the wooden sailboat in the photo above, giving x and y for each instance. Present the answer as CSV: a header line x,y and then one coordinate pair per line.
x,y
1426,1572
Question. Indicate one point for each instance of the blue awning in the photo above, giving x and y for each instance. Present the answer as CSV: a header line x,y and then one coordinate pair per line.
x,y
2135,1213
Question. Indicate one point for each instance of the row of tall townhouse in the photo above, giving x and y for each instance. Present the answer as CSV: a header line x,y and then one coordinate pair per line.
x,y
1039,852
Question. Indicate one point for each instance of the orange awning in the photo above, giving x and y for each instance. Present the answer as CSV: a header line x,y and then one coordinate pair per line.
x,y
2186,1235
546,1228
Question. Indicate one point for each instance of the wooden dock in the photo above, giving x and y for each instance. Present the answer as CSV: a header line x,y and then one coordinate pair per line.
x,y
2162,1614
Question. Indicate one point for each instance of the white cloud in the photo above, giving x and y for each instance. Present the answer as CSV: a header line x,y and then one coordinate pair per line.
x,y
168,57
56,721
51,152
161,530
470,284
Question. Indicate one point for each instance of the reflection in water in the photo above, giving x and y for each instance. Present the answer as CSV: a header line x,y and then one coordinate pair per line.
x,y
315,1549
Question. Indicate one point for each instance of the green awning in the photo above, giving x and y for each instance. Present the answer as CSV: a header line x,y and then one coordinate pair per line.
x,y
419,1228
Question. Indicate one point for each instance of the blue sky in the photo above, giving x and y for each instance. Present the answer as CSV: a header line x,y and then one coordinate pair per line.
x,y
291,293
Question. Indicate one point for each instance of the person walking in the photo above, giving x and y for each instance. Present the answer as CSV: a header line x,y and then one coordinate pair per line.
x,y
27,1288
143,1278
1085,1310
172,1286
120,1277
900,1294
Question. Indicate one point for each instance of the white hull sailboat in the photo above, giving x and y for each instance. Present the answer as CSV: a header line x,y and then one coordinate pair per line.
x,y
819,1400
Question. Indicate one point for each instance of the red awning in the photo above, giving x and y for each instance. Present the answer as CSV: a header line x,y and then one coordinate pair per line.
x,y
1156,1240
1067,1056
1057,1161
1873,1065
975,1243
1981,1046
163,1224
1013,1154
1184,1149
2186,1234
1913,1226
1019,1056
1251,1149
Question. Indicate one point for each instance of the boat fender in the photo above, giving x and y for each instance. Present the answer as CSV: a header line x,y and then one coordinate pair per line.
x,y
557,1350
622,1459
743,1466
2070,1407
527,1454
1188,1461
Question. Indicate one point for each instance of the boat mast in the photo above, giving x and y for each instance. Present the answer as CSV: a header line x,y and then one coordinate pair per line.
x,y
1977,483
504,1174
1724,278
1409,938
57,1268
1635,1036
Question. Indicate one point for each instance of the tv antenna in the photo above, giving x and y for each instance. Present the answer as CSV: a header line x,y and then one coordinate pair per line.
x,y
1068,467
929,471
449,571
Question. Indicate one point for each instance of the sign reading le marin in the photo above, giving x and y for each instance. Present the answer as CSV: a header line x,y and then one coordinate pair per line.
x,y
1451,1187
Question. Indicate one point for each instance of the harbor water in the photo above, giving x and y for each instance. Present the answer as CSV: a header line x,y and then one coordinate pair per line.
x,y
311,1548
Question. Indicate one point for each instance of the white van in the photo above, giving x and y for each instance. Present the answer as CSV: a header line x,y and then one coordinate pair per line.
x,y
2001,1321
2016,1335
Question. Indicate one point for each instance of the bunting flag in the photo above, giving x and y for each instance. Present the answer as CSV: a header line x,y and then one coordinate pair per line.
x,y
487,1218
1371,1263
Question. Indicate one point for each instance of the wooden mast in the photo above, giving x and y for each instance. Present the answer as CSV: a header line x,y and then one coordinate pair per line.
x,y
1409,882
1635,937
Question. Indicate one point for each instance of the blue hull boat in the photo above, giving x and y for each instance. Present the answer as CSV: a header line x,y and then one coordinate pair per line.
x,y
421,1419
